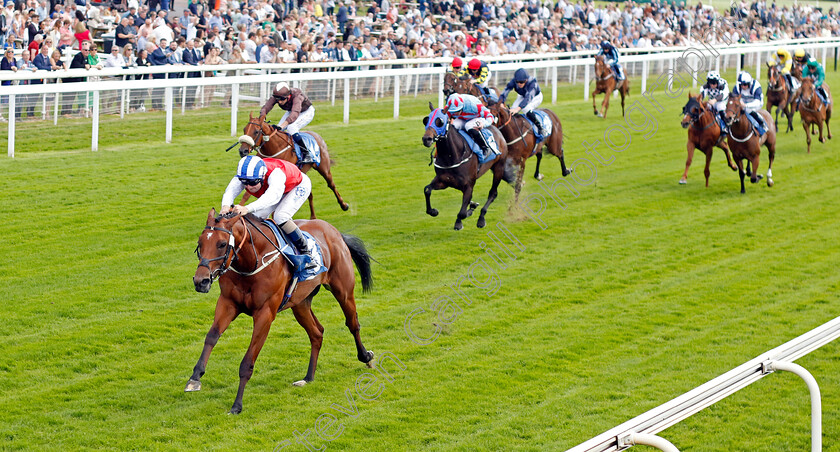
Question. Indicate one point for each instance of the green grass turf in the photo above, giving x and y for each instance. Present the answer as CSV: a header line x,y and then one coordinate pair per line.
x,y
640,290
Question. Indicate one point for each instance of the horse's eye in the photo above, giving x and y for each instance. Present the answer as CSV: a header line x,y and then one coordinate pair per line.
x,y
221,245
439,122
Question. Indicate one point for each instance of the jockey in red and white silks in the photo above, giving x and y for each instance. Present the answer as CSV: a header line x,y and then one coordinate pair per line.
x,y
468,113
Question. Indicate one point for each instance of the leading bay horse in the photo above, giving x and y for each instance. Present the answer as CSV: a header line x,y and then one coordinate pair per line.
x,y
605,83
254,277
813,110
271,143
703,133
745,143
779,96
456,165
522,143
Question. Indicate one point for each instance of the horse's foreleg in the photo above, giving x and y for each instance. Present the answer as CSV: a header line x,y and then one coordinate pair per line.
x,y
690,150
517,187
262,323
754,176
497,178
820,125
741,173
706,171
827,118
436,184
623,92
225,313
807,135
605,105
594,108
537,174
465,205
722,144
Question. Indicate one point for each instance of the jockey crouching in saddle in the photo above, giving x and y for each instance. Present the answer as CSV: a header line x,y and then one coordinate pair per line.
x,y
530,96
610,54
480,74
281,188
815,71
801,57
784,60
466,112
716,91
752,99
299,113
457,68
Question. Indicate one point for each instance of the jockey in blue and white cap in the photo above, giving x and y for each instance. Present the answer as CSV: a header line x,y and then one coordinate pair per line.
x,y
530,96
281,189
611,56
752,98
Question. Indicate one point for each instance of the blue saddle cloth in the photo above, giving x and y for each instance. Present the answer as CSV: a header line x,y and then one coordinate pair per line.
x,y
298,261
311,146
490,93
721,123
545,122
488,136
758,128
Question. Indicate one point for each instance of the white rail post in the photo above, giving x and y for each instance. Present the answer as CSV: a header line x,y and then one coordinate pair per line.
x,y
645,439
234,106
554,85
696,72
347,100
440,90
11,125
94,133
396,97
122,99
168,106
55,110
586,82
813,388
184,99
376,83
334,87
644,76
44,106
825,52
737,64
758,66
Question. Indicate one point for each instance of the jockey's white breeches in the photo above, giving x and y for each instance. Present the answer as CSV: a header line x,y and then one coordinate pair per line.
x,y
535,102
291,201
303,120
472,123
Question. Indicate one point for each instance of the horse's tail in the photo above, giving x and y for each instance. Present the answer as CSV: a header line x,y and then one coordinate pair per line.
x,y
511,170
361,258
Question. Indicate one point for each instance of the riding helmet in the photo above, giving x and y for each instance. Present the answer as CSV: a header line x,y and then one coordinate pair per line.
x,y
251,167
812,63
800,53
282,89
781,51
474,64
713,76
521,75
744,78
455,103
457,63
605,45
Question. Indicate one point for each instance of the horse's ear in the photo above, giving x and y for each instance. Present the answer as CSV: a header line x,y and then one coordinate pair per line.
x,y
431,107
426,121
768,64
212,214
250,115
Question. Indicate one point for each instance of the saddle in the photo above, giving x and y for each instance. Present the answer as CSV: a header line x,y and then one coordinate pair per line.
x,y
545,123
491,141
297,261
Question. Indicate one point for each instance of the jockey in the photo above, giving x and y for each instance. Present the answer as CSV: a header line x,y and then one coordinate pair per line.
x,y
784,60
480,73
815,71
281,189
801,56
716,90
752,99
467,112
458,67
530,96
611,55
299,112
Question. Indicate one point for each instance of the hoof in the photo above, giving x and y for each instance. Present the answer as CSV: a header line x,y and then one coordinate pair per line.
x,y
345,207
192,386
743,191
370,364
473,204
540,177
770,182
433,212
235,410
596,113
459,226
481,223
299,383
567,172
470,211
683,182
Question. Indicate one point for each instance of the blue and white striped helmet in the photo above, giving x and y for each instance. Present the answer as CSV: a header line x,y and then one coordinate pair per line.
x,y
744,78
251,167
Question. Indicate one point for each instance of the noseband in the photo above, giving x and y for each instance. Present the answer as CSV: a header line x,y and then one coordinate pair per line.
x,y
225,266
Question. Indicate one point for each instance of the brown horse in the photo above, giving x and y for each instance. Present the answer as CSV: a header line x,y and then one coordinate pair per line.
x,y
254,281
813,110
605,83
466,86
271,143
745,143
522,143
779,96
457,166
703,133
450,81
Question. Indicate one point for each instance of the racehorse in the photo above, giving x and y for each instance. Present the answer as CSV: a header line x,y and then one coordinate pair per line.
x,y
745,144
457,166
466,86
271,143
813,110
253,280
796,70
522,143
778,95
703,133
605,83
450,80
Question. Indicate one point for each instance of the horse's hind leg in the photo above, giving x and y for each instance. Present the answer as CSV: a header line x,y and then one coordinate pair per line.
x,y
311,207
827,117
771,156
325,172
262,323
497,178
225,313
343,293
706,171
537,174
466,207
306,319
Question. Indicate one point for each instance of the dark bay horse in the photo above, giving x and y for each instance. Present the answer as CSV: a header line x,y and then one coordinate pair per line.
x,y
778,95
466,86
450,80
745,143
522,143
605,83
813,110
703,133
253,280
457,166
271,143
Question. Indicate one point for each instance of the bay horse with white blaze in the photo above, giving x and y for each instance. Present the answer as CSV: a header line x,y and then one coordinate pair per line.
x,y
779,96
745,143
606,83
457,166
703,133
269,142
522,143
254,277
813,110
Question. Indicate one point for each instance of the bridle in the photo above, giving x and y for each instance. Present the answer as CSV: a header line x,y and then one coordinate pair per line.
x,y
737,118
807,103
776,82
261,138
226,264
694,117
606,69
439,137
518,129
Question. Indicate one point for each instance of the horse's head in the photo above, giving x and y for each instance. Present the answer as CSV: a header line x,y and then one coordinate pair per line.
x,y
254,135
501,113
216,249
437,126
734,110
692,111
600,66
450,81
806,91
774,76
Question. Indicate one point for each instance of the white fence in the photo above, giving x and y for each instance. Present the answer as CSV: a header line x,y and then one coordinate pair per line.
x,y
112,91
643,428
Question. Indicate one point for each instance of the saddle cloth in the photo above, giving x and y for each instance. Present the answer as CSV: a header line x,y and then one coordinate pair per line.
x,y
299,261
311,146
488,136
545,122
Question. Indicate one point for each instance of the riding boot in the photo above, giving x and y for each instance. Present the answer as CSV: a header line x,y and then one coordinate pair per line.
x,y
479,139
762,128
725,128
304,248
533,117
304,153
